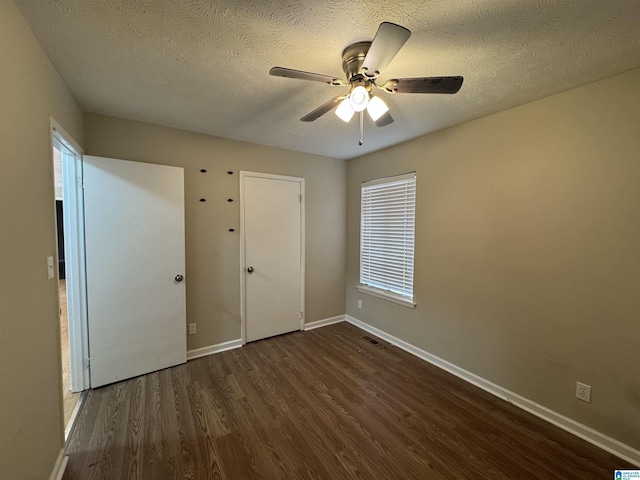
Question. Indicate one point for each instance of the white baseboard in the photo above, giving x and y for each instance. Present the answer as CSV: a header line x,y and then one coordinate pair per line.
x,y
222,347
60,466
211,349
588,434
74,415
324,322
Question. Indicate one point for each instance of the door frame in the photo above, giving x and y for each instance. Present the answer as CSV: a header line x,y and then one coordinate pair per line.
x,y
72,184
268,176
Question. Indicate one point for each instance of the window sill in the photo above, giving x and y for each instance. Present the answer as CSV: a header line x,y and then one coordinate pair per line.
x,y
386,296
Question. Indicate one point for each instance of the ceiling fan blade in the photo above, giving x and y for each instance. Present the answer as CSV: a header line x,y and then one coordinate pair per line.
x,y
299,74
386,44
384,120
424,85
322,109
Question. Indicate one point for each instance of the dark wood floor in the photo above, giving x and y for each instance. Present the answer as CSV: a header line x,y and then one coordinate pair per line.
x,y
323,404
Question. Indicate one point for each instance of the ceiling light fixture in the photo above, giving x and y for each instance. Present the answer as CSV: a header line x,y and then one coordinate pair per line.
x,y
344,111
376,108
359,98
362,63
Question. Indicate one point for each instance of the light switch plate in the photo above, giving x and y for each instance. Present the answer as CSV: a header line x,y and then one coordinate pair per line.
x,y
50,268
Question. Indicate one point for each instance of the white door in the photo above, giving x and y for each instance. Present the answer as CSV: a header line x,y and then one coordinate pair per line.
x,y
273,254
134,223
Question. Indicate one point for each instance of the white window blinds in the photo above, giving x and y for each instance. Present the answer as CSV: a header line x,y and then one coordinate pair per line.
x,y
387,234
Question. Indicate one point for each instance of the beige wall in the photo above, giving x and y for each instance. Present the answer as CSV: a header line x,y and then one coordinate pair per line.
x,y
212,252
527,263
527,268
31,425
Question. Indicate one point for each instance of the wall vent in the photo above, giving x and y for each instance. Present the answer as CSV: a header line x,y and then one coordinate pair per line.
x,y
372,341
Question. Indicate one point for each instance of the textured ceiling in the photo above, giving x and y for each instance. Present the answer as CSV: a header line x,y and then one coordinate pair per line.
x,y
202,65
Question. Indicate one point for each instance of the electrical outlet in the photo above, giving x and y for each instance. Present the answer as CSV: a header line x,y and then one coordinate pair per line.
x,y
360,304
192,328
583,392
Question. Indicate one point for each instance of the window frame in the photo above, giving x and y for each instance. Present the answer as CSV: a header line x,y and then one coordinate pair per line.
x,y
365,284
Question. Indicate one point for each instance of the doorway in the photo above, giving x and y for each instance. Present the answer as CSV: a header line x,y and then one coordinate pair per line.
x,y
67,162
272,254
69,398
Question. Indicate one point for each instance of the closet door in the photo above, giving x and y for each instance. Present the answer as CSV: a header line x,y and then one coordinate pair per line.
x,y
273,254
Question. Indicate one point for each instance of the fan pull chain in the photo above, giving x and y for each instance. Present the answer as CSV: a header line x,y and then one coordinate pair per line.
x,y
361,128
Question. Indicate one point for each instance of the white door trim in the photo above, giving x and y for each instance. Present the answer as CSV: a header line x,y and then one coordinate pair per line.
x,y
67,139
243,175
74,258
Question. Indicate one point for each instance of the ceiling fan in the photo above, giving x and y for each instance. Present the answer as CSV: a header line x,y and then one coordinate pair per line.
x,y
362,63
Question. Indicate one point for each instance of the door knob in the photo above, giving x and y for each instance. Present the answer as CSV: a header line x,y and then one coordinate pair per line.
x,y
250,269
179,278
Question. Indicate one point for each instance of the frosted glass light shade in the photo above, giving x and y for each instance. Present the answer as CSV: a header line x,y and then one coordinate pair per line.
x,y
344,111
376,108
359,98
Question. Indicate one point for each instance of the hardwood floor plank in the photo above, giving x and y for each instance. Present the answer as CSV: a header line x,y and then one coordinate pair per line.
x,y
204,434
234,456
187,433
323,404
106,463
171,440
153,458
152,454
131,467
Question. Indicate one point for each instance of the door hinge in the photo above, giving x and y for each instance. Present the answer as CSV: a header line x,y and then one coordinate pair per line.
x,y
87,363
301,315
80,182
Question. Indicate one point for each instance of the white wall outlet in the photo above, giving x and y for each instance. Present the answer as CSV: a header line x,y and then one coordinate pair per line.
x,y
360,304
583,392
192,328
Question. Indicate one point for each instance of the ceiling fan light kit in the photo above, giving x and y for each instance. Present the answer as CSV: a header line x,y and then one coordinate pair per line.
x,y
362,63
376,108
344,111
358,98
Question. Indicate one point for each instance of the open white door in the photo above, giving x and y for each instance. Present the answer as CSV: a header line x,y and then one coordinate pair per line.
x,y
134,222
272,240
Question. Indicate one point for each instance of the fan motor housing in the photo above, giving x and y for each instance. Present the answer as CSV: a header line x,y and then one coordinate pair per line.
x,y
352,59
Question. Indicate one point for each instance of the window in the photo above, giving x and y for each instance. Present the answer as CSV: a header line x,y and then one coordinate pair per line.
x,y
387,238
